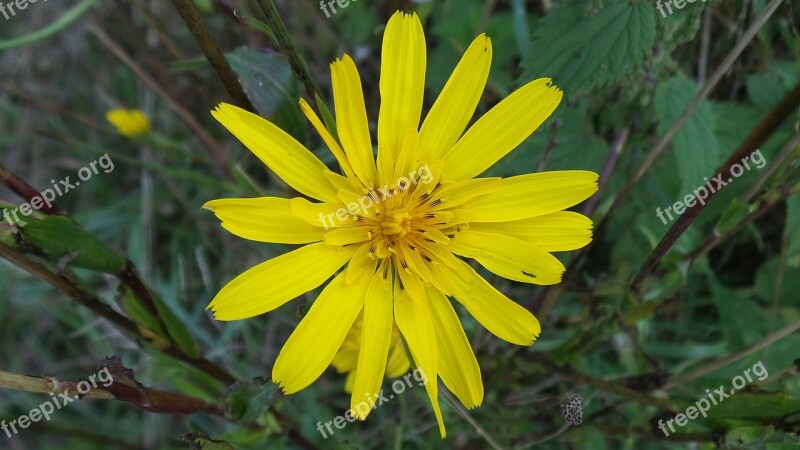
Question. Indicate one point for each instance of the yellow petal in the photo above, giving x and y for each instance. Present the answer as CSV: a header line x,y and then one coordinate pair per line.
x,y
347,235
406,160
326,215
266,219
403,60
455,194
534,194
278,280
398,363
416,326
501,129
496,312
509,257
292,162
326,136
351,119
556,232
361,264
350,381
458,367
455,106
375,340
313,344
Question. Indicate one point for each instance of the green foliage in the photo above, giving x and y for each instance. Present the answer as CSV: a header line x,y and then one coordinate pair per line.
x,y
59,237
695,146
581,45
626,72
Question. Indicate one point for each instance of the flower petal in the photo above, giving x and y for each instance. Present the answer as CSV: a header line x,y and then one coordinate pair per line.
x,y
415,324
502,129
496,312
313,344
375,340
402,85
509,257
351,119
347,235
555,232
361,264
265,219
320,214
534,194
326,136
455,106
292,162
457,367
278,280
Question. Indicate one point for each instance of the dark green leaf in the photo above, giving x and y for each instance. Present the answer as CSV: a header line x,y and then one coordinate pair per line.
x,y
580,47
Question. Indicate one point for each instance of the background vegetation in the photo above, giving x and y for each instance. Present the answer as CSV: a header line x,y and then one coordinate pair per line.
x,y
649,317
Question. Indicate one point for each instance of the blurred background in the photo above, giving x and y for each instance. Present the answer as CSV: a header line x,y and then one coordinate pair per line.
x,y
658,99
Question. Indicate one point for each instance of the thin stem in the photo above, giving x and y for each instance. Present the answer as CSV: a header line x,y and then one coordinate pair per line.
x,y
296,61
152,400
459,409
752,348
138,333
765,128
214,149
719,73
206,42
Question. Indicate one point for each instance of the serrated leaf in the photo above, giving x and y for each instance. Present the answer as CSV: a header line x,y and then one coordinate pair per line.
x,y
580,48
59,236
695,146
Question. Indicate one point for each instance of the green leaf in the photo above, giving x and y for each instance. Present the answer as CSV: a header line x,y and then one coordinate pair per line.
x,y
271,86
792,225
59,236
131,305
695,145
734,213
63,22
755,406
248,401
580,48
201,441
176,329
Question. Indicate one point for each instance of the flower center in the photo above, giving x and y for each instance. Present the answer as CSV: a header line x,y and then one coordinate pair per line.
x,y
395,224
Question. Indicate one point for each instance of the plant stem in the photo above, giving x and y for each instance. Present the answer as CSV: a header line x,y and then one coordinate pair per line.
x,y
296,61
190,15
763,130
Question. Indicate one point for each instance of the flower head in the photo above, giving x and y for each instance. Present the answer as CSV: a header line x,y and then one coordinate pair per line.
x,y
399,222
129,122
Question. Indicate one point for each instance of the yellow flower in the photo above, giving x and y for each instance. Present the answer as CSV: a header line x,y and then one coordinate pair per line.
x,y
346,360
129,122
399,220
